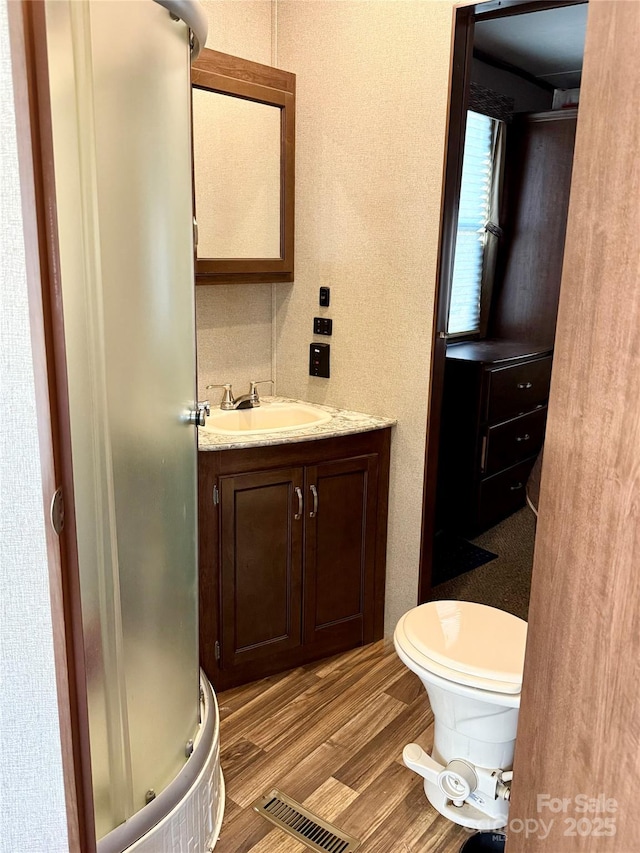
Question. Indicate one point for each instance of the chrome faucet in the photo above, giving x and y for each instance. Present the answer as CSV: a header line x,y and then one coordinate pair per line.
x,y
246,401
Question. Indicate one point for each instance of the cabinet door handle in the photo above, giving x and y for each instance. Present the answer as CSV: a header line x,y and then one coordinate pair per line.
x,y
298,515
314,511
524,385
524,437
516,487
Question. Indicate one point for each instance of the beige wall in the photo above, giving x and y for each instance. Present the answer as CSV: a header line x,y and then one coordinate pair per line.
x,y
234,326
32,810
243,28
372,81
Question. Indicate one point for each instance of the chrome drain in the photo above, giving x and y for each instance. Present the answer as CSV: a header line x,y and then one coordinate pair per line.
x,y
292,817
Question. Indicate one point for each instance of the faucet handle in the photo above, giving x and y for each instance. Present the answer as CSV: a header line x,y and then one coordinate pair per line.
x,y
253,393
227,397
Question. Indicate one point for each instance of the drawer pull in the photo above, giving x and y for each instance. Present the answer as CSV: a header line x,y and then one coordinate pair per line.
x,y
298,515
516,487
314,511
524,437
523,386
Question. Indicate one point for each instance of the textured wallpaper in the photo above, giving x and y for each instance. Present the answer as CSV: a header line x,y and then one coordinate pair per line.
x,y
32,807
372,84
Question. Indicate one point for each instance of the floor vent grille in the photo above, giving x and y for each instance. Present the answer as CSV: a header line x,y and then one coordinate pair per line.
x,y
309,829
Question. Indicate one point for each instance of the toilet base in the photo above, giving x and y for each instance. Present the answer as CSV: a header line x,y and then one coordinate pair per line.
x,y
475,712
466,814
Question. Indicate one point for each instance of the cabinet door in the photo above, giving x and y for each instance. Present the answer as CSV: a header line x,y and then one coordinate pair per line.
x,y
261,522
340,540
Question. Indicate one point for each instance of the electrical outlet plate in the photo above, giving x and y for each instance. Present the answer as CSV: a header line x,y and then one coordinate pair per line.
x,y
319,360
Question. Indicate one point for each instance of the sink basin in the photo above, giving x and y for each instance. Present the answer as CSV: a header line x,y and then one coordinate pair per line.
x,y
269,417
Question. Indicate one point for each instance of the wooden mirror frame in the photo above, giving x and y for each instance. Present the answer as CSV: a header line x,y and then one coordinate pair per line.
x,y
240,78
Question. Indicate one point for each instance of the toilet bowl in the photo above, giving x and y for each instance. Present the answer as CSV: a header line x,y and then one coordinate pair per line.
x,y
470,658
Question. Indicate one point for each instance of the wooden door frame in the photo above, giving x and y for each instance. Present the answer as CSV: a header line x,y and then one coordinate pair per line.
x,y
465,16
27,32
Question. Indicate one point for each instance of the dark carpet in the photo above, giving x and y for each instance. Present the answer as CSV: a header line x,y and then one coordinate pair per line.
x,y
453,555
506,581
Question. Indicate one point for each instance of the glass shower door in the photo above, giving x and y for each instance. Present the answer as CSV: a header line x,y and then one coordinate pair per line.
x,y
119,77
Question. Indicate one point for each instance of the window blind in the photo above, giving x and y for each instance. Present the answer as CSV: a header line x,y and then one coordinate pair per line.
x,y
475,194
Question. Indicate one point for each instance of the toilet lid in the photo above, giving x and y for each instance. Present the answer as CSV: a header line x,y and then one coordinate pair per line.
x,y
470,638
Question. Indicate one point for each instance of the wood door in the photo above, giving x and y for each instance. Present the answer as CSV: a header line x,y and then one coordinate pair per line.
x,y
261,520
538,179
340,542
579,726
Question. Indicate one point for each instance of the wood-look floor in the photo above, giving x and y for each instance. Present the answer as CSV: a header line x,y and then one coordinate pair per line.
x,y
331,735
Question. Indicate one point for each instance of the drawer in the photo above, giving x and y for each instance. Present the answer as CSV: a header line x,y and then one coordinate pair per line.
x,y
503,493
518,388
513,441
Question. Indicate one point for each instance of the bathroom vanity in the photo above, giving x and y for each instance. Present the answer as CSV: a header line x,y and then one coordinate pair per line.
x,y
292,544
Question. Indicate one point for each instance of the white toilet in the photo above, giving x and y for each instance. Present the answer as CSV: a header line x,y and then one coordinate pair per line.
x,y
470,659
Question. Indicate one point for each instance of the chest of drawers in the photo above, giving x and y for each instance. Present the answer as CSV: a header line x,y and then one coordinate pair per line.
x,y
493,420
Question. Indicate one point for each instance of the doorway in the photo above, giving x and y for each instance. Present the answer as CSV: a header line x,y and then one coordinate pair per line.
x,y
513,111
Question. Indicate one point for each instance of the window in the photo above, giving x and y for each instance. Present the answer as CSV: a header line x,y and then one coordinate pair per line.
x,y
474,261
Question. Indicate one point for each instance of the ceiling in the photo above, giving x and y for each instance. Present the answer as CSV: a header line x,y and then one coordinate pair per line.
x,y
548,45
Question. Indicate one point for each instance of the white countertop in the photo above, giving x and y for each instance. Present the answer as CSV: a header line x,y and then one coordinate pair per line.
x,y
342,422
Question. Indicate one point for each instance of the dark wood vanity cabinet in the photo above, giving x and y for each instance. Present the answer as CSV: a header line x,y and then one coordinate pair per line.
x,y
261,542
493,421
292,553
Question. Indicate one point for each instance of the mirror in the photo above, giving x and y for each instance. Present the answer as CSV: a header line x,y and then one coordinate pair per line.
x,y
247,177
243,162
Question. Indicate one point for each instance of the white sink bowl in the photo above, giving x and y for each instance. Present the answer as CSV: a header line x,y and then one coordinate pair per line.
x,y
269,417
